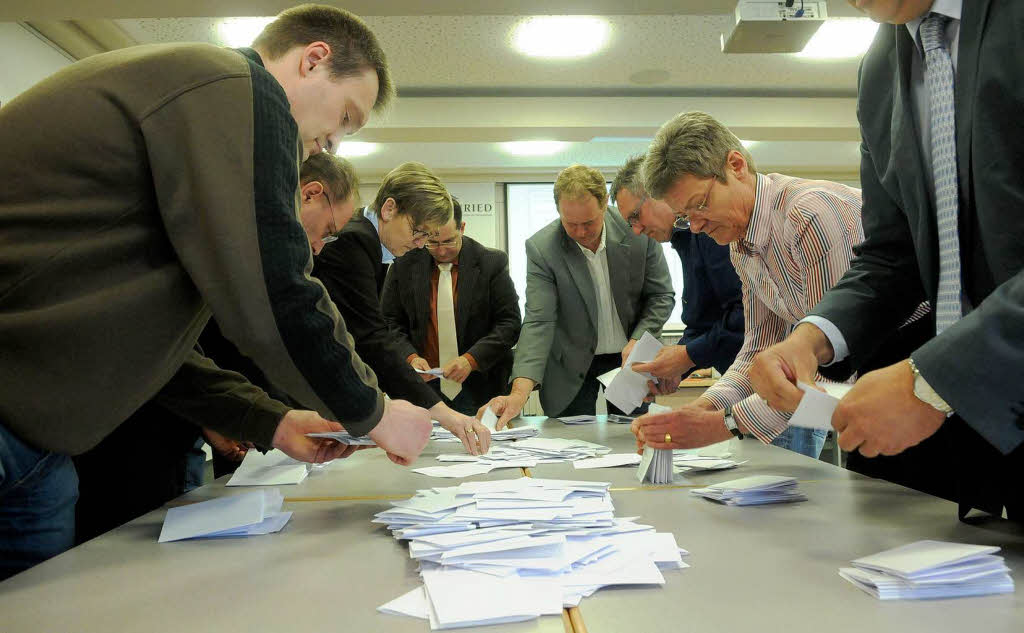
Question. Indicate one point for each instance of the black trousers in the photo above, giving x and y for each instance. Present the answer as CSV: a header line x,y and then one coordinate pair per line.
x,y
583,403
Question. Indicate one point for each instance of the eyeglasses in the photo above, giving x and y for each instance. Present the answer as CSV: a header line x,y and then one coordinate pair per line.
x,y
683,219
634,218
332,235
418,234
433,245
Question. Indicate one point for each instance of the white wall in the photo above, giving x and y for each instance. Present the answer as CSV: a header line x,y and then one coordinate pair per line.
x,y
25,59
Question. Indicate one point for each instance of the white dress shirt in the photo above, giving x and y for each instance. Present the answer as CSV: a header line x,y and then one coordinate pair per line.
x,y
919,97
611,338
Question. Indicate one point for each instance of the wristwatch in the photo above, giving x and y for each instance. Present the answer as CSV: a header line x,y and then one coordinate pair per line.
x,y
730,423
924,392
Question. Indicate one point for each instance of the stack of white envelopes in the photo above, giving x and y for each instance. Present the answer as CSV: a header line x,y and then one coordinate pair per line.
x,y
246,514
512,550
755,490
655,466
931,569
691,462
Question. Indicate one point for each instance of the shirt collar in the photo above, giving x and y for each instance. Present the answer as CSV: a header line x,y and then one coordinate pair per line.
x,y
759,229
587,252
950,8
386,256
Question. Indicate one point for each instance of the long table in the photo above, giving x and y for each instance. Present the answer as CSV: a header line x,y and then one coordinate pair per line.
x,y
765,568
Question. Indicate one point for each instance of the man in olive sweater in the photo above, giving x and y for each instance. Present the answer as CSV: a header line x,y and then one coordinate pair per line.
x,y
144,190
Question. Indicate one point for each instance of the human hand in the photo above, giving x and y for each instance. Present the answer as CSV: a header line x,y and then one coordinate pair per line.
x,y
422,364
627,349
671,361
403,431
475,437
686,427
775,371
663,387
290,437
230,449
505,407
881,415
458,369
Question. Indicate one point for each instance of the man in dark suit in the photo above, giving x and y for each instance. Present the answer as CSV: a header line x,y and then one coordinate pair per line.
x,y
939,94
468,330
410,207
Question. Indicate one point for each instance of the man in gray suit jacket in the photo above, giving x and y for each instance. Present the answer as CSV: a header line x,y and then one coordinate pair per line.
x,y
592,289
939,96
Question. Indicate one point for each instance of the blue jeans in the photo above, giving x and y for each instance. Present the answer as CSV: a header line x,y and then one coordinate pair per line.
x,y
800,440
38,491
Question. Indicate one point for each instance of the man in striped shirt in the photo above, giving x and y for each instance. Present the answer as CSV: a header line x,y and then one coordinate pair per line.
x,y
790,241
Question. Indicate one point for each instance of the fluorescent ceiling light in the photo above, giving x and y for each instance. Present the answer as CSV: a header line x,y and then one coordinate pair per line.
x,y
841,37
351,149
748,144
533,148
236,32
561,36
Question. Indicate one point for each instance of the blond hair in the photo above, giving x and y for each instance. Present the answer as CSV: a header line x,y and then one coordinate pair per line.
x,y
417,192
692,143
576,182
354,47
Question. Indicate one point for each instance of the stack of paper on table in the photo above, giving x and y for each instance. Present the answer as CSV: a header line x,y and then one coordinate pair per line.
x,y
655,466
522,454
489,420
608,461
579,419
246,514
343,437
624,387
689,462
931,569
755,490
511,550
271,469
816,408
616,418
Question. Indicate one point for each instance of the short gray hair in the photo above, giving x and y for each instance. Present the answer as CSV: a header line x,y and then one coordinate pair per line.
x,y
692,143
630,178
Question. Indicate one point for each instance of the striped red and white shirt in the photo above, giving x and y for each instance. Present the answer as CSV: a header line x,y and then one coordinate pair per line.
x,y
798,244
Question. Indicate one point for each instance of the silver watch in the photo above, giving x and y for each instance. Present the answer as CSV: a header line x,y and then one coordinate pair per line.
x,y
924,392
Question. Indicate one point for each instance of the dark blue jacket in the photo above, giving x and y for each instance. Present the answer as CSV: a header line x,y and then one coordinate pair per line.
x,y
712,301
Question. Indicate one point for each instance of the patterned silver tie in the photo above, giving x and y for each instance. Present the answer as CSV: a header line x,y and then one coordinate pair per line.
x,y
938,77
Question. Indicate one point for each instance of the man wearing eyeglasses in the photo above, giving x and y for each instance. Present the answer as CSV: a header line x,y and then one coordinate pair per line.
x,y
453,306
790,240
712,305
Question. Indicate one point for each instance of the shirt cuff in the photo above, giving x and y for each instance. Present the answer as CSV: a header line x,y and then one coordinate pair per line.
x,y
472,361
839,348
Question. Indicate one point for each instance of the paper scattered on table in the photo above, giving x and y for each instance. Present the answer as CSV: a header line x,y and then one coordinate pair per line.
x,y
436,371
271,469
608,461
931,569
689,462
343,437
624,387
246,514
616,418
459,470
413,604
816,408
655,466
529,452
579,419
489,419
754,490
514,550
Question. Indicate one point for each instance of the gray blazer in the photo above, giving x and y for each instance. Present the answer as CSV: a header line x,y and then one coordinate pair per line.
x,y
977,365
559,335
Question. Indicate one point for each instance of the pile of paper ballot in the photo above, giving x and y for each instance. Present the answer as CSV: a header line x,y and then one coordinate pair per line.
x,y
931,569
522,454
489,419
754,490
691,462
513,550
246,514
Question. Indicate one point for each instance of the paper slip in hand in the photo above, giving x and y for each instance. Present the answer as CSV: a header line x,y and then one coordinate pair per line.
x,y
343,437
608,461
656,466
489,419
436,371
257,512
816,408
624,387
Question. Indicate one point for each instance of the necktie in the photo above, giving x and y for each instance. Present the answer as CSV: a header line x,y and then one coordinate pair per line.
x,y
938,77
447,343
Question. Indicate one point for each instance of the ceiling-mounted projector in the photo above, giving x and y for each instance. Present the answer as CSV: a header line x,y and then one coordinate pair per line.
x,y
773,27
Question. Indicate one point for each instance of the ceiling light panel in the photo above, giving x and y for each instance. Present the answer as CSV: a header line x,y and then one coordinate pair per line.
x,y
237,32
533,148
561,36
840,38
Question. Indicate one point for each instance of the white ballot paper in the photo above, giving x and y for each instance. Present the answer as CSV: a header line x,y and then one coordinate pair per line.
x,y
931,569
816,408
246,514
436,371
272,469
754,490
608,461
656,466
343,437
624,387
